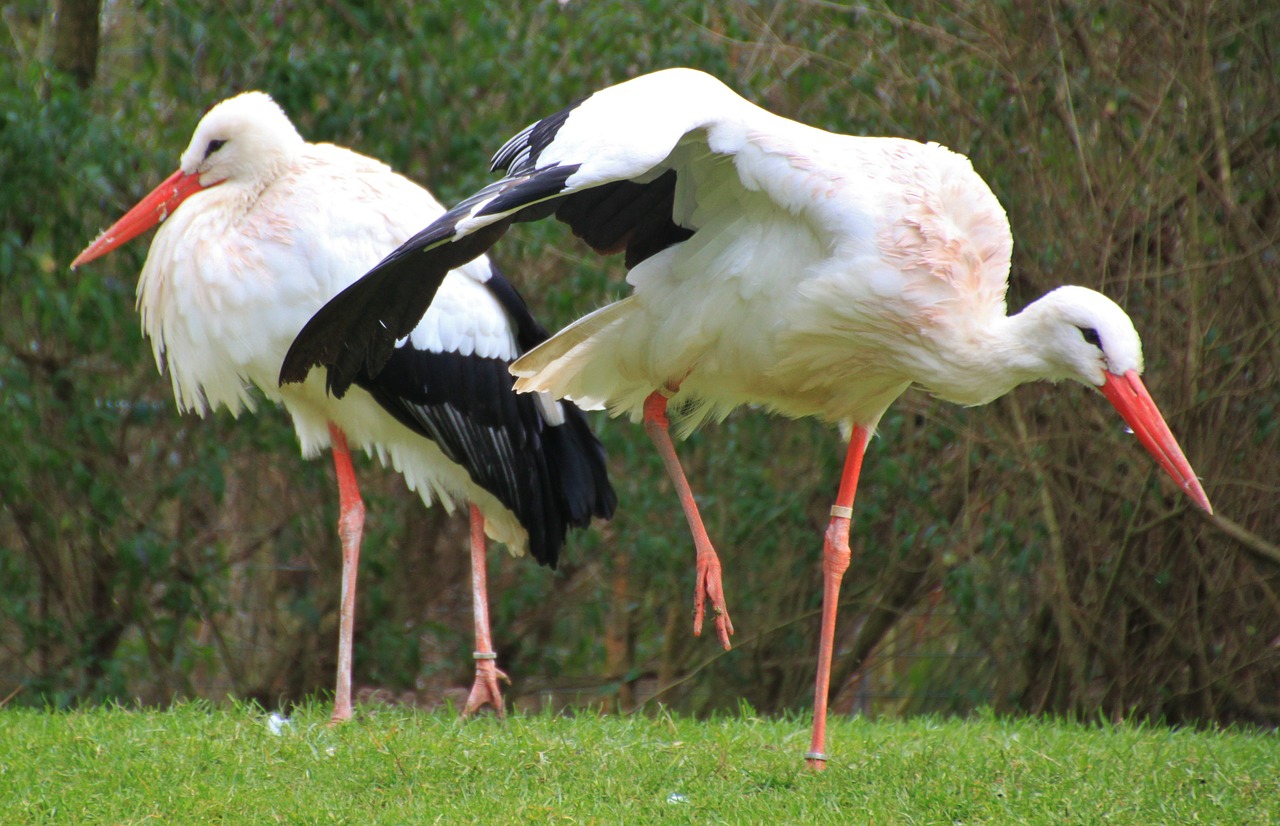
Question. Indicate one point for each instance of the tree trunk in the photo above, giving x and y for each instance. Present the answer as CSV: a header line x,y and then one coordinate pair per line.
x,y
75,39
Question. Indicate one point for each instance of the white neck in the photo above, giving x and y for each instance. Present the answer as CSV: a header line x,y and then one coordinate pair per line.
x,y
1044,342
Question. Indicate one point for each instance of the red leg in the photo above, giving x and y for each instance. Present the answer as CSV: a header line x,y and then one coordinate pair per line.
x,y
485,689
708,585
350,528
835,562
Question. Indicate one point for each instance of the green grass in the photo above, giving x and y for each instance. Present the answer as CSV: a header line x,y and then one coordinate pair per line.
x,y
197,764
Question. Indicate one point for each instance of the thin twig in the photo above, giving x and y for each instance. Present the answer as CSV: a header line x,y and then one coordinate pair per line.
x,y
1259,547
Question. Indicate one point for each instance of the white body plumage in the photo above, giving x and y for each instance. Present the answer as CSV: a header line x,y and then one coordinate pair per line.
x,y
234,274
827,273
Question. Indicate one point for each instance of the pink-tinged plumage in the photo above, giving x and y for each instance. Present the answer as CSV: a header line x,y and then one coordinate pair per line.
x,y
260,229
772,264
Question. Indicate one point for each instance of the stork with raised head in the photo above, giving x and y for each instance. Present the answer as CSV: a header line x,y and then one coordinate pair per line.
x,y
771,263
262,229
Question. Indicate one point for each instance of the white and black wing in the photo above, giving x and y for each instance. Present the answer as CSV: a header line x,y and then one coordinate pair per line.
x,y
597,165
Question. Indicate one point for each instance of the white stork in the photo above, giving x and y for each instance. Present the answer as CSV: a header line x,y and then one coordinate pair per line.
x,y
263,228
771,263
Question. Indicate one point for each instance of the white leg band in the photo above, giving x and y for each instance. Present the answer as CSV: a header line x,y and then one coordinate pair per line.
x,y
842,512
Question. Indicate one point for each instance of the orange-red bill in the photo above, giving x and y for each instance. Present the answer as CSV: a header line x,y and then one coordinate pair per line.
x,y
1130,397
150,211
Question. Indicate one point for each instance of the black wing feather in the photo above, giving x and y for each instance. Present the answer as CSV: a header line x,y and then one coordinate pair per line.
x,y
552,477
626,215
467,407
521,153
528,191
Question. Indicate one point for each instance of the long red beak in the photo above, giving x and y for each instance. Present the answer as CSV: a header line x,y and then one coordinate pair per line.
x,y
150,211
1131,398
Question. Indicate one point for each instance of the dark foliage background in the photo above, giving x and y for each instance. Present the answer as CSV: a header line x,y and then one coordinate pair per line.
x,y
1026,556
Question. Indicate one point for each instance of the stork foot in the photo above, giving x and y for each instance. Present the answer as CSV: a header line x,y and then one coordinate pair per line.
x,y
485,690
710,587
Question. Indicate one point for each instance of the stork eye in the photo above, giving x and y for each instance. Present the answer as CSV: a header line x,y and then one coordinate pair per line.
x,y
214,146
1091,336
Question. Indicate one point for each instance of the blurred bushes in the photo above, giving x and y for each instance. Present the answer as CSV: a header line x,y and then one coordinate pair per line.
x,y
147,555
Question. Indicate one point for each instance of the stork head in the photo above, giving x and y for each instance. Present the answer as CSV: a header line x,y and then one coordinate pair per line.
x,y
1080,334
1083,335
244,141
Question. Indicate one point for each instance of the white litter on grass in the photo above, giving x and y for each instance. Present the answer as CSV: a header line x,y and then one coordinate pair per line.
x,y
676,797
277,723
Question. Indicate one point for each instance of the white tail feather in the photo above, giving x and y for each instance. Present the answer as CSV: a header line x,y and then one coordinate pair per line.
x,y
560,364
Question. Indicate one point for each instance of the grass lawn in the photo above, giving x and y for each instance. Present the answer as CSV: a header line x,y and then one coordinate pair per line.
x,y
199,764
